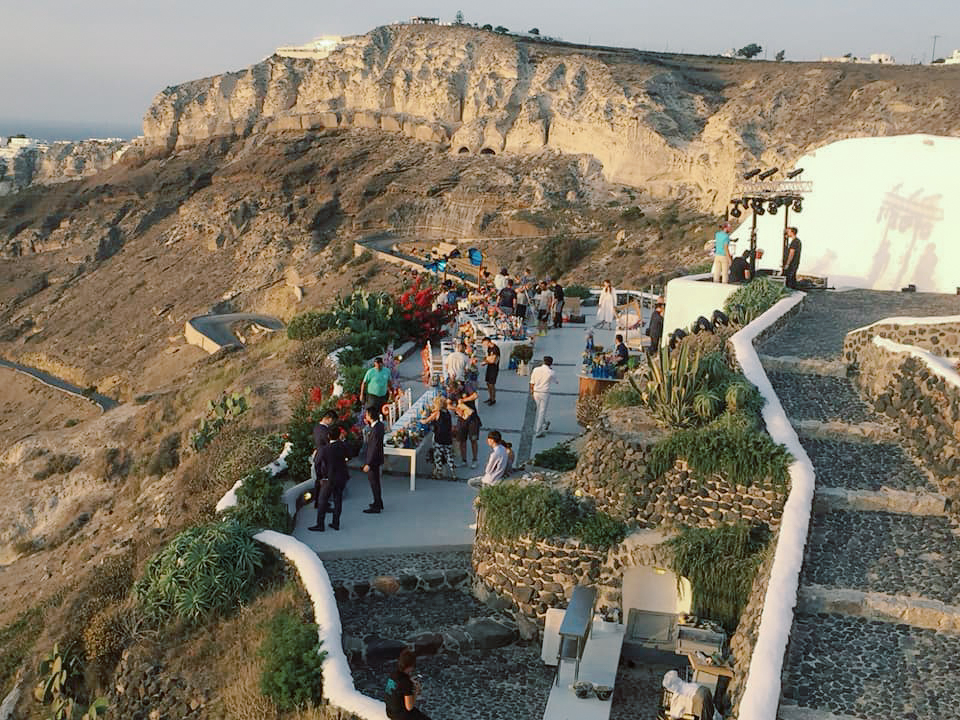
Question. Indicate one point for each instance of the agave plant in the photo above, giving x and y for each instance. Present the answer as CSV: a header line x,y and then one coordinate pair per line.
x,y
707,404
675,380
738,396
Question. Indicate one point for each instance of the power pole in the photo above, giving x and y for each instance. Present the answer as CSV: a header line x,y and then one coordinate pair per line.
x,y
933,53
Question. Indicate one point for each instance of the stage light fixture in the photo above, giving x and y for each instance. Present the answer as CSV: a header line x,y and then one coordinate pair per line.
x,y
751,174
772,207
759,209
769,173
736,212
797,205
794,173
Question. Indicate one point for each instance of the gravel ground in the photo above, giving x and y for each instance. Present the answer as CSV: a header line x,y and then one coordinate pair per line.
x,y
821,398
863,466
363,568
508,683
852,666
884,552
818,331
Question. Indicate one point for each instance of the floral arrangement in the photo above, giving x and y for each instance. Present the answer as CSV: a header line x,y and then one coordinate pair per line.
x,y
600,365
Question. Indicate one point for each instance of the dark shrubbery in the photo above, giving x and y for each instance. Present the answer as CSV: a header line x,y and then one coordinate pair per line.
x,y
753,299
309,325
203,571
720,563
293,670
559,457
260,503
540,512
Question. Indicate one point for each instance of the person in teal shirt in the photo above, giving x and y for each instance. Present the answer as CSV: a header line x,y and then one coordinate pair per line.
x,y
375,386
721,254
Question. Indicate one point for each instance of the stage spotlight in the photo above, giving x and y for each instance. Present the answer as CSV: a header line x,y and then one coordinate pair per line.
x,y
736,212
752,174
794,173
797,205
759,209
719,318
769,173
772,207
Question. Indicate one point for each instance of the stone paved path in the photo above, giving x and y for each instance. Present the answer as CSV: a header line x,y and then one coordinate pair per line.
x,y
855,664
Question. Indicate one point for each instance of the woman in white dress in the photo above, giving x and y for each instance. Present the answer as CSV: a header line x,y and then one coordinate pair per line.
x,y
607,313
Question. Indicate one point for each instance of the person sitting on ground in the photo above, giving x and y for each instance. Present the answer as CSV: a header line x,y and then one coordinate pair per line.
x,y
740,267
496,463
621,353
511,458
402,690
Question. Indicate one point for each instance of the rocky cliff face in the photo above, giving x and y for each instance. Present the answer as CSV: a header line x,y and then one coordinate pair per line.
x,y
680,126
59,162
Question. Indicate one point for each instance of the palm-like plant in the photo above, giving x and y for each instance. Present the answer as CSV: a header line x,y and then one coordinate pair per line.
x,y
674,381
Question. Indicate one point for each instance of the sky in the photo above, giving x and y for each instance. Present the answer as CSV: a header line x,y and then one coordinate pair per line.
x,y
93,67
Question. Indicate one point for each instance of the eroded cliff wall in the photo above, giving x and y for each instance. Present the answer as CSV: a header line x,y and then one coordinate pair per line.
x,y
681,126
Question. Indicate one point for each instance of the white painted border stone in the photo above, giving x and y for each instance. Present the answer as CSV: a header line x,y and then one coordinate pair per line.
x,y
761,695
338,687
941,320
938,365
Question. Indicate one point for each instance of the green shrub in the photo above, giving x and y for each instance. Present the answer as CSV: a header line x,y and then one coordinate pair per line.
x,y
558,255
522,353
204,571
167,456
351,377
293,663
16,641
512,511
106,636
675,379
720,563
58,464
577,291
300,435
559,457
260,503
351,356
732,446
309,325
227,408
623,394
314,351
753,299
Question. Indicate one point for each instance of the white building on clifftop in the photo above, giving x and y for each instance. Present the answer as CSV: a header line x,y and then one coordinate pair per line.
x,y
316,49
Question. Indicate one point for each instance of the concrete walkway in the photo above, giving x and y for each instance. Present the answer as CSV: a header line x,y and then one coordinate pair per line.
x,y
212,332
440,514
102,401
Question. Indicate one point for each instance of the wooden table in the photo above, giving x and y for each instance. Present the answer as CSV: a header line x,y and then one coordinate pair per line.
x,y
709,675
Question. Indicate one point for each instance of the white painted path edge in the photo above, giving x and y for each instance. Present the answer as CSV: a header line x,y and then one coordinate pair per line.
x,y
938,365
761,696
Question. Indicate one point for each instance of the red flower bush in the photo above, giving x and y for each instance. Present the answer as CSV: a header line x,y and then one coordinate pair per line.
x,y
416,306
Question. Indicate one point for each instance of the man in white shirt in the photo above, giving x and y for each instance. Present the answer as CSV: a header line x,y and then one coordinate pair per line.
x,y
544,308
496,463
541,378
456,363
500,280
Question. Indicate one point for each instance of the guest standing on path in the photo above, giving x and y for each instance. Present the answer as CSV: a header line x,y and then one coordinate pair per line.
x,y
321,437
491,369
375,388
507,298
721,254
523,301
655,328
455,365
607,308
541,379
441,422
468,427
373,458
792,264
558,301
544,308
336,455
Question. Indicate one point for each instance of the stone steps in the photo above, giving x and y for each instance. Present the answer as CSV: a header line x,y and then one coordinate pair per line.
x,y
889,500
853,667
850,463
865,432
804,365
916,612
884,552
820,398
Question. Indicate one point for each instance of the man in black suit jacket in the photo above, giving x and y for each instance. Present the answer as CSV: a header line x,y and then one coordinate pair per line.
x,y
373,459
335,457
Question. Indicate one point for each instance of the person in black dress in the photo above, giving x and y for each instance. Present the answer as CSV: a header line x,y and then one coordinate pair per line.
x,y
336,454
373,458
491,370
402,690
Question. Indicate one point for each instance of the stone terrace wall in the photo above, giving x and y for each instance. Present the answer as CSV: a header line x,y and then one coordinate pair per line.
x,y
532,575
940,338
925,406
611,471
744,638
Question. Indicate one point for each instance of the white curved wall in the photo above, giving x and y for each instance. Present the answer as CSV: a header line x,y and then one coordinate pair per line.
x,y
884,213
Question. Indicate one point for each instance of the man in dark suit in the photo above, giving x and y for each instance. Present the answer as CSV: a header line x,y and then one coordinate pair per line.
x,y
373,459
336,454
321,437
655,328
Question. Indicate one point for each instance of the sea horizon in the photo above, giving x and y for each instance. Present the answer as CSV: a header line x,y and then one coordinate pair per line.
x,y
51,131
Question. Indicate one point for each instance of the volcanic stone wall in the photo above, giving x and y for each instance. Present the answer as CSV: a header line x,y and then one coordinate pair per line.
x,y
939,338
925,406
